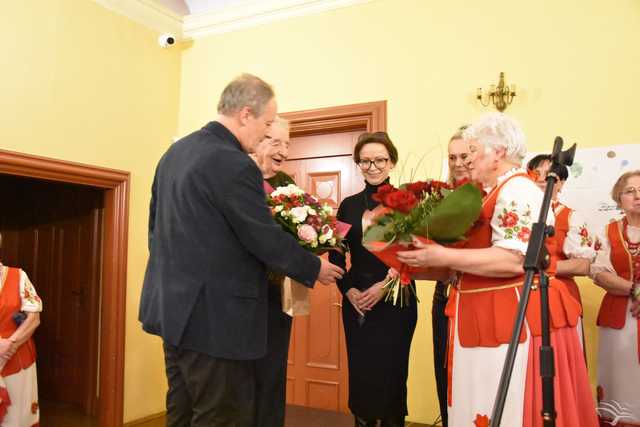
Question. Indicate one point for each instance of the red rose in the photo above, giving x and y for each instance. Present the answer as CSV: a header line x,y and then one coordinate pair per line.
x,y
400,200
439,185
510,219
383,190
419,188
524,234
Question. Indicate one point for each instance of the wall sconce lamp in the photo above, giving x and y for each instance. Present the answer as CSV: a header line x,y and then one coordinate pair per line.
x,y
500,96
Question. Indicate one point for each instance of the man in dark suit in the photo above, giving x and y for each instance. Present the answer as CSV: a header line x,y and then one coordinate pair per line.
x,y
211,238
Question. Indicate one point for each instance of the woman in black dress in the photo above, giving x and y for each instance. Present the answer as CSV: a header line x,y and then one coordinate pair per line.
x,y
378,333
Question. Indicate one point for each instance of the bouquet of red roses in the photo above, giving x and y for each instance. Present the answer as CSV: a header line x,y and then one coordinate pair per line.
x,y
424,210
302,215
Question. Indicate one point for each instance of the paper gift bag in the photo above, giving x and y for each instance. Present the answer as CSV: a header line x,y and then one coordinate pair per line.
x,y
295,298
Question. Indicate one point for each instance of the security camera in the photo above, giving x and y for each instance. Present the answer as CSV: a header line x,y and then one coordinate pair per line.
x,y
166,40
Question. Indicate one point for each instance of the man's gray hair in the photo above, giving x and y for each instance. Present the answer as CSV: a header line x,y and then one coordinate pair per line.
x,y
497,130
246,90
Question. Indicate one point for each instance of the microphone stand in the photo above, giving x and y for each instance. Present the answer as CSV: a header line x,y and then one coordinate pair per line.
x,y
536,261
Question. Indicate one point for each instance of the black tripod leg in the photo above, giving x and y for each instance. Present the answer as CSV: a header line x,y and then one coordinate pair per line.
x,y
547,367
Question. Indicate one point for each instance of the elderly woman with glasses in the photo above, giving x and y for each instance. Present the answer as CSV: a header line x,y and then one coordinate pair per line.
x,y
617,270
482,307
378,333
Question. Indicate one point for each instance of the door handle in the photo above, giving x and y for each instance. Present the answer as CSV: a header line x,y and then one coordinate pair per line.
x,y
337,304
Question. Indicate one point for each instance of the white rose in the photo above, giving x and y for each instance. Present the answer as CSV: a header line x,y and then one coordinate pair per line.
x,y
299,214
326,234
311,211
278,208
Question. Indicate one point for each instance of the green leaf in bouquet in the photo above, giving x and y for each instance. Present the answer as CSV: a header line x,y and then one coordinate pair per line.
x,y
453,216
379,233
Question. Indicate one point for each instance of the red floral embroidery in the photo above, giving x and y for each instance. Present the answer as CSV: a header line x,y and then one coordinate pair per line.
x,y
585,239
524,234
515,226
481,421
598,245
509,219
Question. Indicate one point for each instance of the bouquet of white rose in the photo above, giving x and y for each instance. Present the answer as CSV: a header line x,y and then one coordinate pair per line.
x,y
302,215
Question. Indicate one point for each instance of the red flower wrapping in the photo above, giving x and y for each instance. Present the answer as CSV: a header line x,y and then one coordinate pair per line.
x,y
388,254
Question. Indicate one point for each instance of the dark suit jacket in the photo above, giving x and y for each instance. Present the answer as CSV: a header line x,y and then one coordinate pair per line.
x,y
211,237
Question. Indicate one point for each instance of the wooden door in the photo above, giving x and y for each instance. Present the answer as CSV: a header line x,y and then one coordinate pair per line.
x,y
317,373
53,232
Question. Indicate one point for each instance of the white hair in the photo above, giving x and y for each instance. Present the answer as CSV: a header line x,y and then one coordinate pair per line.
x,y
497,130
283,123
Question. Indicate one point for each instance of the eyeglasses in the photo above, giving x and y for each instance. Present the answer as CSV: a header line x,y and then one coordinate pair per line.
x,y
365,164
631,191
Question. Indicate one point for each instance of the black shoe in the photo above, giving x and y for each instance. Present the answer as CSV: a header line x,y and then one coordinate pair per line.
x,y
361,422
392,422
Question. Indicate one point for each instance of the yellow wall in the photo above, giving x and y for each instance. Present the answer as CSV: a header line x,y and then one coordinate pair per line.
x,y
84,84
576,64
80,83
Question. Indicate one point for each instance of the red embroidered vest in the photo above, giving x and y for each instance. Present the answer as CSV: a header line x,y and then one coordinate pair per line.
x,y
486,317
10,303
613,310
562,229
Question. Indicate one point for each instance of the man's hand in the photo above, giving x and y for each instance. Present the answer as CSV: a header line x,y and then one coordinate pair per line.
x,y
329,273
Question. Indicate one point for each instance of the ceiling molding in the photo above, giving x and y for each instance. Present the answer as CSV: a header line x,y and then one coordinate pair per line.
x,y
249,13
147,13
256,12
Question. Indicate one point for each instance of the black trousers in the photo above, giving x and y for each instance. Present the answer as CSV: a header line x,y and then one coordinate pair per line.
x,y
207,391
271,370
440,324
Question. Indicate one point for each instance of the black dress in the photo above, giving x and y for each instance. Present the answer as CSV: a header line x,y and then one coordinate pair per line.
x,y
271,370
378,348
440,324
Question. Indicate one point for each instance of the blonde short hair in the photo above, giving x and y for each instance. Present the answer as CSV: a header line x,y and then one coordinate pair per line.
x,y
618,187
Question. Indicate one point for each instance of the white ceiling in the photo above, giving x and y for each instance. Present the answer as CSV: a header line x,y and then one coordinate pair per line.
x,y
191,19
187,7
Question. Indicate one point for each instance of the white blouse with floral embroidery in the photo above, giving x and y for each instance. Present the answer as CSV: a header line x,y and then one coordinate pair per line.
x,y
579,241
30,300
517,208
603,246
